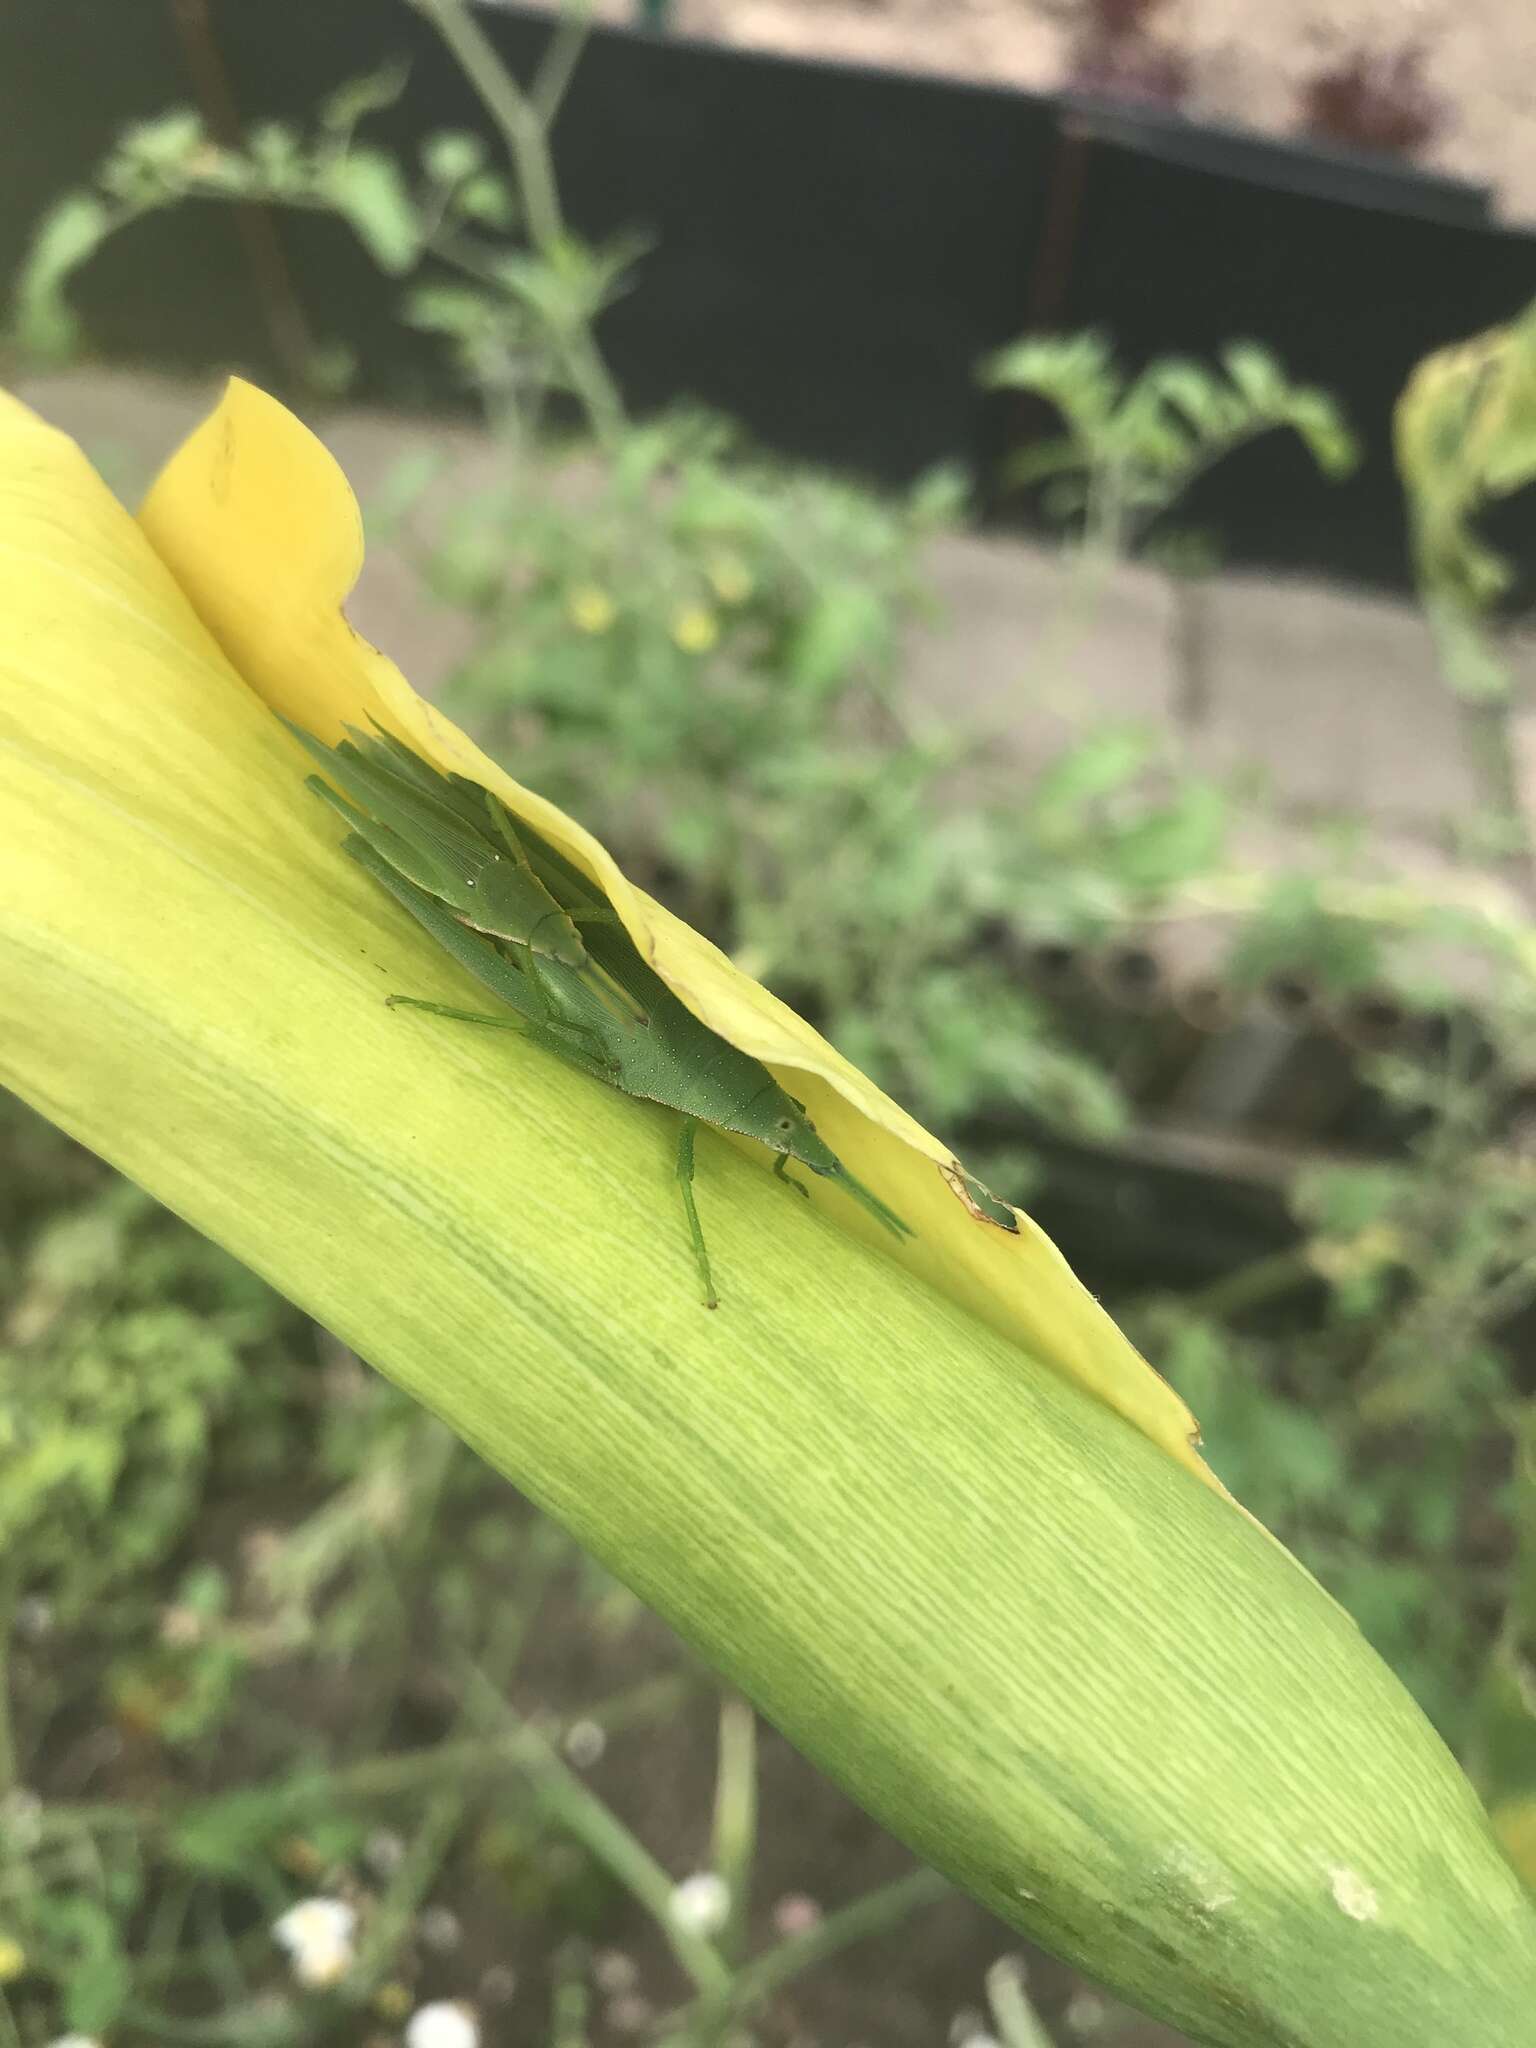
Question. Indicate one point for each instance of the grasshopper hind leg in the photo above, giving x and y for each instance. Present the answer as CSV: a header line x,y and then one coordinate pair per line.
x,y
568,1040
691,1208
459,1016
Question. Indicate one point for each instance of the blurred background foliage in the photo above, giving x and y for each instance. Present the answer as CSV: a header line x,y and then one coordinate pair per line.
x,y
263,1619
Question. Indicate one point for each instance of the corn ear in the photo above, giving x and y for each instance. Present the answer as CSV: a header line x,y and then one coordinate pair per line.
x,y
1029,1641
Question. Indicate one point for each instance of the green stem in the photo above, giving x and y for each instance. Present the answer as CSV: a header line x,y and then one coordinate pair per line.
x,y
220,1958
1018,2024
1250,1285
558,66
516,117
734,1841
257,2024
1495,767
1089,566
380,1778
511,110
10,1587
569,1998
606,1839
875,1913
387,1925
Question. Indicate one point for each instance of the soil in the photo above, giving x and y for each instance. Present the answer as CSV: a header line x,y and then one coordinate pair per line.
x,y
1247,61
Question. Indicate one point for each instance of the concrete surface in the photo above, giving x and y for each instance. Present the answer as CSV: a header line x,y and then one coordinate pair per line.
x,y
1021,650
1336,694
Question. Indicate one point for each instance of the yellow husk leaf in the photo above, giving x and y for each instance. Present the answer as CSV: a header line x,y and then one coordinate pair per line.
x,y
260,528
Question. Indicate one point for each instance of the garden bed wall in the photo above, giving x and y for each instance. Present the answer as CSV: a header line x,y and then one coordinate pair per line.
x,y
834,247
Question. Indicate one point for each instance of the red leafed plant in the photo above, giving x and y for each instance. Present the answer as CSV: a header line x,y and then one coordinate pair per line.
x,y
1115,54
1380,101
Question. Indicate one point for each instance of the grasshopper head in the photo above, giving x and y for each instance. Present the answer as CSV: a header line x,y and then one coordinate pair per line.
x,y
795,1134
781,1123
803,1144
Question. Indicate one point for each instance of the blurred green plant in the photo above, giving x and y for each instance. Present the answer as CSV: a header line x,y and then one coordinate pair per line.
x,y
262,1615
1132,447
1465,429
1465,433
1501,1751
498,274
124,1339
1379,1445
674,618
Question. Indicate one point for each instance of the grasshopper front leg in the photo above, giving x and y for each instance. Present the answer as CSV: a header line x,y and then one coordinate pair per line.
x,y
691,1209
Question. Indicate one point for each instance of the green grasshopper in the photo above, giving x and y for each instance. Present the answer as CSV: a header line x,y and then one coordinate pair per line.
x,y
434,833
531,929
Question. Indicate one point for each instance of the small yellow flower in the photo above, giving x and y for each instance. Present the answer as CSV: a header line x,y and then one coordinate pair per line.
x,y
13,1959
300,1857
181,1626
589,609
729,578
695,629
1342,1259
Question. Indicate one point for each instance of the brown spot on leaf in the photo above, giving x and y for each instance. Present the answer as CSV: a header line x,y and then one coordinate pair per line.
x,y
979,1199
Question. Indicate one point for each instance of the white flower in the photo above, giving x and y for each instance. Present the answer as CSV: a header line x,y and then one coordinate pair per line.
x,y
384,1852
969,2030
701,1903
447,2023
614,1972
181,1626
440,1929
585,1742
34,1618
317,1933
1086,2012
21,1818
498,1984
796,1913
